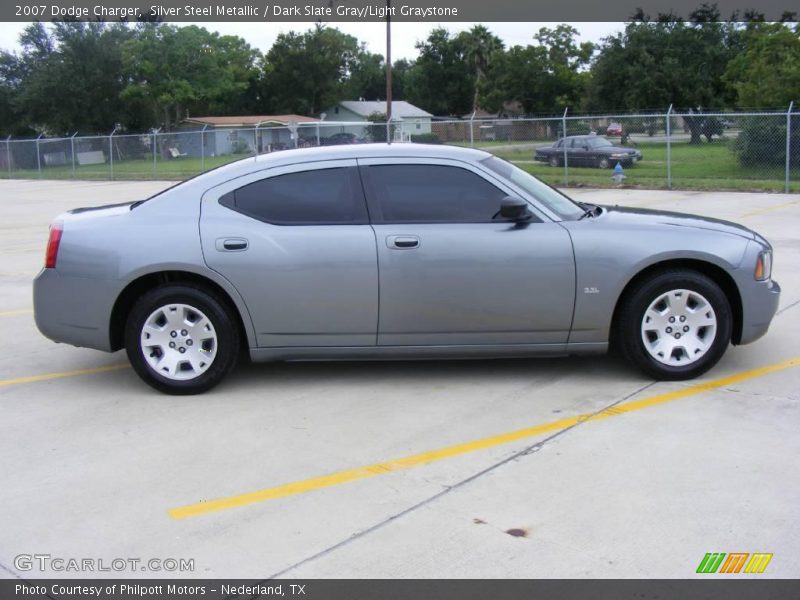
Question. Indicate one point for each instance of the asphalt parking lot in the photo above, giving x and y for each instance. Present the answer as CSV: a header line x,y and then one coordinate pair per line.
x,y
513,468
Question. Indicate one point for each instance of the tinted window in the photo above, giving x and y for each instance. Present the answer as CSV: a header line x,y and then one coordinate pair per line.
x,y
550,197
320,197
430,194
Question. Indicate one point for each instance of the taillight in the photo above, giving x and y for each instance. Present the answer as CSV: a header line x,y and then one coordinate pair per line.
x,y
53,242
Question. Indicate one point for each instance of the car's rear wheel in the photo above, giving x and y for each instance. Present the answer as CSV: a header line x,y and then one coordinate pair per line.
x,y
675,325
181,339
603,163
554,162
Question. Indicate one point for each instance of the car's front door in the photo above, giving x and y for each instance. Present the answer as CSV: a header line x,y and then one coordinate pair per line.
x,y
451,272
297,244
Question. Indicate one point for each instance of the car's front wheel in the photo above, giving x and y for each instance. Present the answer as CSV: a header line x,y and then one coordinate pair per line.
x,y
603,163
554,162
675,325
181,339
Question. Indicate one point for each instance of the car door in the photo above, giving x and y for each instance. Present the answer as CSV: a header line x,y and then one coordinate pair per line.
x,y
580,156
450,273
297,244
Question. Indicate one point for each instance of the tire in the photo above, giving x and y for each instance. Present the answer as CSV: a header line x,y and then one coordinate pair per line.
x,y
662,310
603,163
188,317
554,162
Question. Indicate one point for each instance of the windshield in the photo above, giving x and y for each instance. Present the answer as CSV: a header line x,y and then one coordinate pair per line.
x,y
597,142
550,197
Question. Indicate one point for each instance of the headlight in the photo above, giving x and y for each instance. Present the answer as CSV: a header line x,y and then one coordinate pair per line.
x,y
763,265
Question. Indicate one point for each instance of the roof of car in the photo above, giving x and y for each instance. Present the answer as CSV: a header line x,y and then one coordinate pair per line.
x,y
287,157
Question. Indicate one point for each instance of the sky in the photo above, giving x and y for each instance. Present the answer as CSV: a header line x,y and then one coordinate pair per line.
x,y
404,35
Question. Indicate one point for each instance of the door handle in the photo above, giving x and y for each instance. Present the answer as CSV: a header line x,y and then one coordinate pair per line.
x,y
402,242
231,244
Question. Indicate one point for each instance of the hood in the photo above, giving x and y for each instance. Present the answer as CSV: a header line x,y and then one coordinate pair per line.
x,y
644,217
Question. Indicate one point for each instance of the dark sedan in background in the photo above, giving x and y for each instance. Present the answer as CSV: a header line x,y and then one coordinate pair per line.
x,y
587,151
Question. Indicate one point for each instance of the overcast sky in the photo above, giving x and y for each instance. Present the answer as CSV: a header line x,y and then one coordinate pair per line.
x,y
404,35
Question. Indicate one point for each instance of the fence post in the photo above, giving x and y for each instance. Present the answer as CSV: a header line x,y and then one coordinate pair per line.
x,y
155,144
318,140
8,155
255,141
203,148
389,130
472,130
564,137
669,148
38,156
788,144
72,151
111,151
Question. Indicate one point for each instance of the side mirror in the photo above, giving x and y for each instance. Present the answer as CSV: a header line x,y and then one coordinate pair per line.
x,y
515,209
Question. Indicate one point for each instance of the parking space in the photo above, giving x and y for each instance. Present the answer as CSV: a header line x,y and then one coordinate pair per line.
x,y
573,467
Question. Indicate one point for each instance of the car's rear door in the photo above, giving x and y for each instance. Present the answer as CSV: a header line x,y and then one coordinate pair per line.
x,y
450,274
297,244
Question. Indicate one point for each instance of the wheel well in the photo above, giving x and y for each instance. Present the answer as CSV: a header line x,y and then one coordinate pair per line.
x,y
136,288
712,271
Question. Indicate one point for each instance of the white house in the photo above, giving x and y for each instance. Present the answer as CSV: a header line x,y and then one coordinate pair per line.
x,y
409,119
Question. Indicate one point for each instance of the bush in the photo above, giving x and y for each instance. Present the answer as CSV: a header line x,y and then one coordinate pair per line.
x,y
762,142
426,138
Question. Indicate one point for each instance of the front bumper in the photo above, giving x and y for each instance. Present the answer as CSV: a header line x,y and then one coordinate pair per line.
x,y
759,305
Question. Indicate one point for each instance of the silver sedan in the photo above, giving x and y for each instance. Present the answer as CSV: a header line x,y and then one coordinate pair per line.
x,y
394,251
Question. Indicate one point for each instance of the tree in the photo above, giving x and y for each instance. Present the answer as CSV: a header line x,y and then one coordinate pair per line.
x,y
767,73
305,73
367,77
655,64
69,76
441,80
480,48
172,70
543,77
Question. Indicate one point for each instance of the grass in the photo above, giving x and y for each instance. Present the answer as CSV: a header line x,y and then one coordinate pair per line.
x,y
702,167
173,169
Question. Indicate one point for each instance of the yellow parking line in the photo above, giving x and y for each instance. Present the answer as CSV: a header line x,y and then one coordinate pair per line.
x,y
399,464
61,375
14,313
769,209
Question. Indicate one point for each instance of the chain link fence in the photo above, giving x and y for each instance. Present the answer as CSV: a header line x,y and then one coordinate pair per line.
x,y
670,149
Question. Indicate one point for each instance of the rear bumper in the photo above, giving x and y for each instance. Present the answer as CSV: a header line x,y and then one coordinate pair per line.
x,y
74,310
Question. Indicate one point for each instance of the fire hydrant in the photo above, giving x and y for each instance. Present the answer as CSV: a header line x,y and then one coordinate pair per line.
x,y
618,175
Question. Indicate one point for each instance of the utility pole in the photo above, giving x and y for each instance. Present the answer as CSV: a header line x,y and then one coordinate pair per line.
x,y
388,71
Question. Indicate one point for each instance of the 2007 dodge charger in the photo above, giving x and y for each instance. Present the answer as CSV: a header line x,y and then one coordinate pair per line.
x,y
394,251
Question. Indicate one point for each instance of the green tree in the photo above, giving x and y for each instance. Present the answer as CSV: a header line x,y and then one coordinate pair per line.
x,y
441,80
543,77
367,77
305,73
69,77
480,49
653,64
767,73
172,70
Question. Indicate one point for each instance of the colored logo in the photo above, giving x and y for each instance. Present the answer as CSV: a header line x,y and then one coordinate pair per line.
x,y
735,562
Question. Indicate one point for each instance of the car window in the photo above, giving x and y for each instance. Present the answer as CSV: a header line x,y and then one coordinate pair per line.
x,y
549,196
318,197
429,194
599,142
